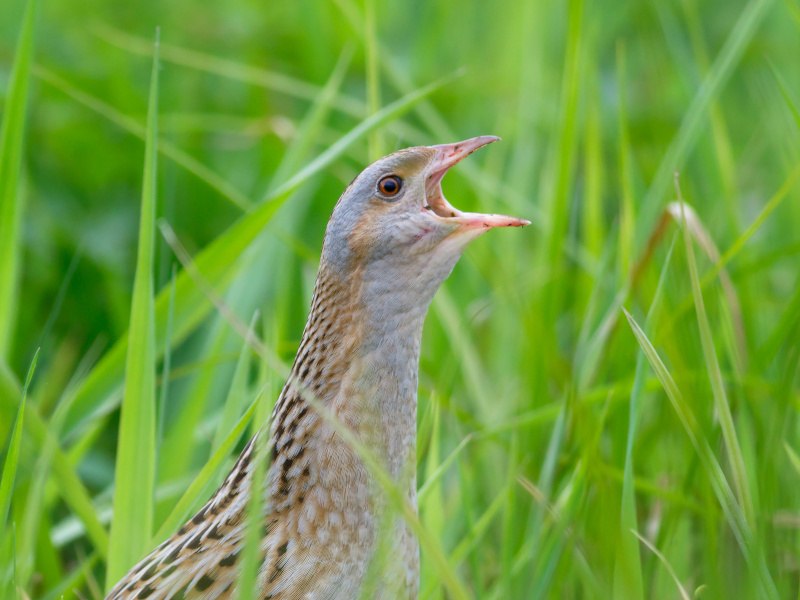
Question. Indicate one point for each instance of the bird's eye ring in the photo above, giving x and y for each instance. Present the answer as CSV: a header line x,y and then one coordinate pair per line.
x,y
390,186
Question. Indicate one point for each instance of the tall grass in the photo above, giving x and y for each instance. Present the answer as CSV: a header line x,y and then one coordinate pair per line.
x,y
608,399
135,467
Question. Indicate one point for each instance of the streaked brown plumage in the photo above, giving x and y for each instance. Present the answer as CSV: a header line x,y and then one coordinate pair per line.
x,y
391,241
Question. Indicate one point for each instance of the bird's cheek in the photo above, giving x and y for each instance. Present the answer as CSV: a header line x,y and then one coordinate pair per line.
x,y
369,234
429,234
423,232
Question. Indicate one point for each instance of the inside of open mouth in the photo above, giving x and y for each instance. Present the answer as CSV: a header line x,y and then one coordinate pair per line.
x,y
436,202
441,207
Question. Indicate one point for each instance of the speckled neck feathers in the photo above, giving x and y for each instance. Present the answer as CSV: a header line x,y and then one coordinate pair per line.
x,y
322,510
359,363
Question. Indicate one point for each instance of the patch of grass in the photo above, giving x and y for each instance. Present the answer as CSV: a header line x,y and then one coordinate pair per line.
x,y
566,448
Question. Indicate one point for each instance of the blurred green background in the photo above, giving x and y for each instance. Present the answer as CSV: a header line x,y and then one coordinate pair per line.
x,y
551,436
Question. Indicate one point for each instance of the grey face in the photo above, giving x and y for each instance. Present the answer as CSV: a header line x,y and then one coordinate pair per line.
x,y
394,225
395,207
383,213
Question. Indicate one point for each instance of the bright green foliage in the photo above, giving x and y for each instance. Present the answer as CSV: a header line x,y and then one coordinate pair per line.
x,y
608,398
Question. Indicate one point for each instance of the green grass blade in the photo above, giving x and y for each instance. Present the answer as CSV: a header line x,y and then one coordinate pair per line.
x,y
769,207
628,562
564,149
8,557
376,149
251,552
437,470
473,537
236,394
431,503
312,124
12,136
721,402
537,533
35,520
132,524
786,94
794,458
248,575
735,249
683,593
480,527
166,365
627,218
12,453
255,76
726,164
469,358
593,226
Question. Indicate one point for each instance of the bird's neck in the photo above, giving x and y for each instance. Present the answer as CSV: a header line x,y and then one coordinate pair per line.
x,y
359,357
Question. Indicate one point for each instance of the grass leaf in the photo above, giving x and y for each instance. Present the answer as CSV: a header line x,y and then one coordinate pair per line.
x,y
628,563
721,403
12,136
684,594
12,454
794,458
132,524
9,475
251,551
376,149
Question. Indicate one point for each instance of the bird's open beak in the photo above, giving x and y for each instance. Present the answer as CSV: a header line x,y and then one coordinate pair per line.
x,y
448,155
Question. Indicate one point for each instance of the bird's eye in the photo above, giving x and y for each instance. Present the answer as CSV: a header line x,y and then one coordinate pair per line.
x,y
390,185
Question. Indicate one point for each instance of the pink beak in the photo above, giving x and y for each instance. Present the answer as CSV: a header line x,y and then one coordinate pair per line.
x,y
448,155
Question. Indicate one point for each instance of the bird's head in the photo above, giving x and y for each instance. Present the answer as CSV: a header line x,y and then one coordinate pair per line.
x,y
393,226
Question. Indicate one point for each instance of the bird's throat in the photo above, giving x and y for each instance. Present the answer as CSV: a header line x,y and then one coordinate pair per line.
x,y
362,365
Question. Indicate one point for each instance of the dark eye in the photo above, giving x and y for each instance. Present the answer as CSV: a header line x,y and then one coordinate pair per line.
x,y
390,185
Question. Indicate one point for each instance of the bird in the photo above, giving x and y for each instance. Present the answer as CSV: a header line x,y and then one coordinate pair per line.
x,y
391,241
